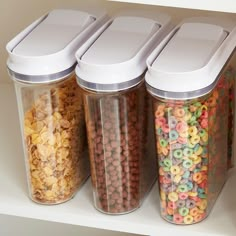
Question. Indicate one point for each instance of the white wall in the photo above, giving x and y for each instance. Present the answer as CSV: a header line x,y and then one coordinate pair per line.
x,y
15,15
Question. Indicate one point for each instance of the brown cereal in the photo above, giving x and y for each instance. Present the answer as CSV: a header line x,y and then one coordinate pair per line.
x,y
55,140
122,151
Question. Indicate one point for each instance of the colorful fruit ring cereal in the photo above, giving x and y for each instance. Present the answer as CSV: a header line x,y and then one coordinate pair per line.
x,y
192,130
165,151
194,211
178,153
165,128
197,104
193,126
204,114
161,171
188,152
161,107
166,169
197,176
198,217
172,122
173,196
193,194
187,116
163,142
198,113
182,188
172,205
188,164
168,163
188,219
177,179
170,211
204,123
205,138
173,134
180,203
159,113
202,132
183,134
195,139
190,204
193,157
159,121
175,170
179,112
190,186
198,150
178,219
186,174
183,196
182,140
204,108
202,204
169,217
198,160
181,127
183,211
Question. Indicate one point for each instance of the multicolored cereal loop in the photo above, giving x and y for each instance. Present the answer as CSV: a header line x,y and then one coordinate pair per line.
x,y
192,149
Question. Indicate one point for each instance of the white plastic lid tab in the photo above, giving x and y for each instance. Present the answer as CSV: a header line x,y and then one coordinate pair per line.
x,y
117,59
45,50
188,62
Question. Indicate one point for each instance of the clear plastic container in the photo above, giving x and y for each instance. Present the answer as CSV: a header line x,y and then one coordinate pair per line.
x,y
193,106
118,110
50,103
54,137
191,138
121,146
230,75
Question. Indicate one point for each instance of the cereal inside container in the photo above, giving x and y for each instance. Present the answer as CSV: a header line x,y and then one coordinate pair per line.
x,y
193,107
118,111
230,75
55,140
192,147
121,153
50,103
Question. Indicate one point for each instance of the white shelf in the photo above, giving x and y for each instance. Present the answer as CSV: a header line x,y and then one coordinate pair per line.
x,y
210,5
80,211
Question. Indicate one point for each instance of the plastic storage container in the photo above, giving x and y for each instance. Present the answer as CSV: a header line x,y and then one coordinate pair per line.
x,y
41,63
189,78
118,110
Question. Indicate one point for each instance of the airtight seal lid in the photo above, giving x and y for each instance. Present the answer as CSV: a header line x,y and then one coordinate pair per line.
x,y
188,62
116,59
44,51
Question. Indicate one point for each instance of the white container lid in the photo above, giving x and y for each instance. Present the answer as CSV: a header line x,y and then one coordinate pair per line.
x,y
188,62
45,50
117,59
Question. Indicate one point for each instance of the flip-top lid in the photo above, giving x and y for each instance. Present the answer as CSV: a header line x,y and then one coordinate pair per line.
x,y
116,60
45,50
189,60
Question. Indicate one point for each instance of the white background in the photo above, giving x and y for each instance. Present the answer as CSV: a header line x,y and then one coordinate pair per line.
x,y
15,15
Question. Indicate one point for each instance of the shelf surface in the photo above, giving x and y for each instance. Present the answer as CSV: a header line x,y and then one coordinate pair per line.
x,y
80,211
210,5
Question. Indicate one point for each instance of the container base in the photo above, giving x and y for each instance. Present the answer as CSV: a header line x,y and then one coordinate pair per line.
x,y
62,201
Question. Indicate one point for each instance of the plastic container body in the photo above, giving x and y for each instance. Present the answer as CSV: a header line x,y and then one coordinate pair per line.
x,y
121,146
54,139
118,108
192,150
230,75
